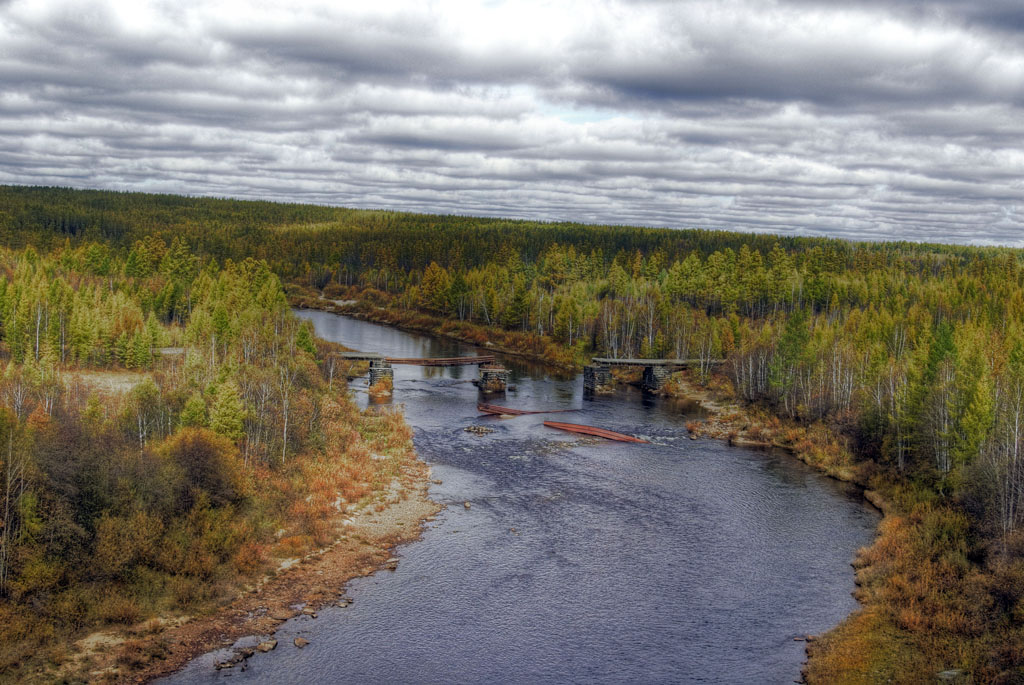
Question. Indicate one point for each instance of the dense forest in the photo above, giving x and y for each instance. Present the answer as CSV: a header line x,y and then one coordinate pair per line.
x,y
912,355
167,427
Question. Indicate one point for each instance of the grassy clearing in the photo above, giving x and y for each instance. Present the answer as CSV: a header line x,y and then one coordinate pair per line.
x,y
111,382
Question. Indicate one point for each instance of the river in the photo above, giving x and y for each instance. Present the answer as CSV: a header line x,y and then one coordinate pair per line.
x,y
579,561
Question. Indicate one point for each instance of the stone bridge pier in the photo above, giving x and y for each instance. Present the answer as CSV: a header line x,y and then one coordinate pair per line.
x,y
597,378
655,377
379,370
493,378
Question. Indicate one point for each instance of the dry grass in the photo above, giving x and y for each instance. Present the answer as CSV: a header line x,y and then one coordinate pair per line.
x,y
759,433
138,653
928,607
381,388
109,382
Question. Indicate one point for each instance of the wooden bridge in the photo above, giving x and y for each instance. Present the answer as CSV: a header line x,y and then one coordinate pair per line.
x,y
441,361
681,363
491,376
597,376
414,361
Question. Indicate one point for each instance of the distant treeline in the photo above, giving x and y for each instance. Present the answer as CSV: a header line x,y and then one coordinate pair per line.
x,y
297,237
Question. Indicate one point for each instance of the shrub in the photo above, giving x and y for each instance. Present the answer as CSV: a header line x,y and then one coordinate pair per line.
x,y
757,432
294,545
209,464
125,541
381,388
249,558
116,607
69,609
187,592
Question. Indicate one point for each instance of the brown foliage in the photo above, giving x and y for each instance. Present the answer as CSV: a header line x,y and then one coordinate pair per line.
x,y
928,608
250,558
209,464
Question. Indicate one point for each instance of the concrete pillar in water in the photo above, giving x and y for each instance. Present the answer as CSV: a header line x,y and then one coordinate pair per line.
x,y
493,378
597,378
655,377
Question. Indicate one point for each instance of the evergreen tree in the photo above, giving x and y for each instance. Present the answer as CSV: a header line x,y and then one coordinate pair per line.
x,y
434,288
227,414
789,353
304,338
193,414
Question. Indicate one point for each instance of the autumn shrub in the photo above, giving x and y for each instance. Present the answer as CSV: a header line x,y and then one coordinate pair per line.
x,y
293,545
792,436
250,558
928,607
124,541
115,606
194,547
209,466
188,592
37,574
355,489
134,653
757,432
381,388
334,291
69,609
320,530
21,634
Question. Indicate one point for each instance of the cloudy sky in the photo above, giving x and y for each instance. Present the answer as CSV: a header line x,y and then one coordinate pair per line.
x,y
864,119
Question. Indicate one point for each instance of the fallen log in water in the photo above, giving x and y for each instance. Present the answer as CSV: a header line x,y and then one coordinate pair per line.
x,y
593,430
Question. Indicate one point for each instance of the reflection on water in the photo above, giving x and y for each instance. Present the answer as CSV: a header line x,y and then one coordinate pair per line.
x,y
580,560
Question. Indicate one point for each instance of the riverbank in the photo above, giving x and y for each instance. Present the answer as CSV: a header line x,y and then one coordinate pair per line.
x,y
923,585
366,543
363,540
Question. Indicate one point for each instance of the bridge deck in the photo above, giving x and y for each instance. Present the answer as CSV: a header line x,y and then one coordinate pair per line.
x,y
359,356
418,361
605,361
441,361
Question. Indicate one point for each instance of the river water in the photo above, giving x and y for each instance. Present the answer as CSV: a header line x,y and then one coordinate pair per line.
x,y
580,561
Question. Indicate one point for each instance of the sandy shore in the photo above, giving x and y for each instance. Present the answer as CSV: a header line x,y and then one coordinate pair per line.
x,y
365,543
